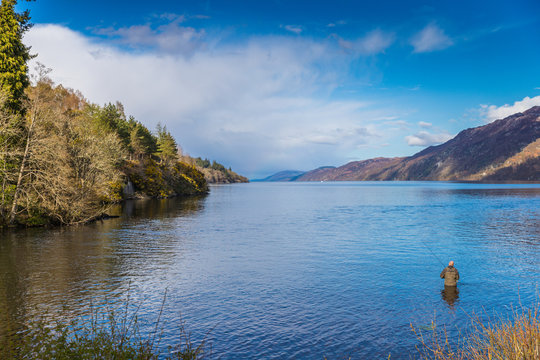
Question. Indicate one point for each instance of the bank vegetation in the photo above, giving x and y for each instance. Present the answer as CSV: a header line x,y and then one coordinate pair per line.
x,y
65,160
514,338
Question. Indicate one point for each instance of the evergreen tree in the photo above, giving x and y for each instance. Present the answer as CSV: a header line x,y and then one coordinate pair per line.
x,y
112,118
167,149
14,55
142,142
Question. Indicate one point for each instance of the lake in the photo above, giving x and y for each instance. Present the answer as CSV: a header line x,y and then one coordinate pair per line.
x,y
289,270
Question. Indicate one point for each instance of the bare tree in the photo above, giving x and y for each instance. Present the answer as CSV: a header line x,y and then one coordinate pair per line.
x,y
67,166
11,132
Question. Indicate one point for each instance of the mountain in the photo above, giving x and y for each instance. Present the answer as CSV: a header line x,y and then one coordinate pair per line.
x,y
354,171
504,150
286,175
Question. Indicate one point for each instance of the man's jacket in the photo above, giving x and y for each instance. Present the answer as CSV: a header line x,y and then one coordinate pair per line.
x,y
450,275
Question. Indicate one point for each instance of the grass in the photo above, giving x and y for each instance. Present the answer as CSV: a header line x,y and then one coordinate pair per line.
x,y
516,337
105,334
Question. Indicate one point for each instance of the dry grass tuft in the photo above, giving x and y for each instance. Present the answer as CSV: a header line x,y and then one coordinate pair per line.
x,y
514,338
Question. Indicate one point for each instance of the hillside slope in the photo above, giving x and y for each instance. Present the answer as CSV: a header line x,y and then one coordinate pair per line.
x,y
285,175
504,150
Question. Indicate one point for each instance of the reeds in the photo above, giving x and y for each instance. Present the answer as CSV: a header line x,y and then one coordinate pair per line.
x,y
516,337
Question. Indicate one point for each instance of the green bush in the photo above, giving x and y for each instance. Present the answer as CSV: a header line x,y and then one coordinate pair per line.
x,y
163,180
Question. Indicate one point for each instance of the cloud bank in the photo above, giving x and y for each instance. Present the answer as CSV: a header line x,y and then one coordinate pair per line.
x,y
169,37
261,105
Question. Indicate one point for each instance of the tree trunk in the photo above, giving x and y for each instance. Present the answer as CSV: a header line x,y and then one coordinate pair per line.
x,y
13,211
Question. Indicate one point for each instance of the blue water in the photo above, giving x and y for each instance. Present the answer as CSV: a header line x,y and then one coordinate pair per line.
x,y
291,270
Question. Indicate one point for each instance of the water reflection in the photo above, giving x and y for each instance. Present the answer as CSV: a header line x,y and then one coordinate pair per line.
x,y
486,192
160,208
450,294
43,271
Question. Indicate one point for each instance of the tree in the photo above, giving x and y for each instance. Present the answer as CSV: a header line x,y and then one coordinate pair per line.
x,y
11,135
202,163
112,118
167,149
28,138
70,165
14,55
142,141
66,170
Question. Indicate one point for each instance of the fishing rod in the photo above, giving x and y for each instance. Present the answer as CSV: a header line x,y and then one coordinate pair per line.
x,y
432,253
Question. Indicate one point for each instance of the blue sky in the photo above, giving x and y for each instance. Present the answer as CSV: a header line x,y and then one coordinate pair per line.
x,y
274,85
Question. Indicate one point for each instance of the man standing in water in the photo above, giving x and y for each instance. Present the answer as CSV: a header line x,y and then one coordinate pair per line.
x,y
450,275
450,294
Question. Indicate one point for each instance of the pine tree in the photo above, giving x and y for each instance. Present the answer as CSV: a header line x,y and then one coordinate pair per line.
x,y
14,55
167,147
142,142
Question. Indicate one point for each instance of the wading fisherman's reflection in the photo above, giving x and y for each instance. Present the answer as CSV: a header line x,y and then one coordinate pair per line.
x,y
450,293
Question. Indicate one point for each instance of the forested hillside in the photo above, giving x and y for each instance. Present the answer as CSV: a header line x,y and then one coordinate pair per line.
x,y
214,172
63,159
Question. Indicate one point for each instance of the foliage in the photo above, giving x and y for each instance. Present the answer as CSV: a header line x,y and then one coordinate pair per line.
x,y
142,142
11,136
61,157
188,179
104,334
14,55
515,338
163,180
167,149
216,173
66,160
56,165
202,163
111,118
72,163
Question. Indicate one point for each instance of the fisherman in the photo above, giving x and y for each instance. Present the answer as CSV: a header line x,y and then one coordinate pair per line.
x,y
450,275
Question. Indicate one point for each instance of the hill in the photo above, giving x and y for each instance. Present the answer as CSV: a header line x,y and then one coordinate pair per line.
x,y
214,172
504,150
286,175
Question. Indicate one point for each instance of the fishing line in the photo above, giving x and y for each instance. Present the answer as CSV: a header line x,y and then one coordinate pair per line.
x,y
432,253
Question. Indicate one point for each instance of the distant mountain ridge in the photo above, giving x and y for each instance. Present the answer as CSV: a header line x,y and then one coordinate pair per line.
x,y
285,175
504,150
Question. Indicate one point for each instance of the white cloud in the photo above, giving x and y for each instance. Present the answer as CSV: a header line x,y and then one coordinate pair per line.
x,y
293,28
430,38
424,138
425,125
372,43
492,112
261,104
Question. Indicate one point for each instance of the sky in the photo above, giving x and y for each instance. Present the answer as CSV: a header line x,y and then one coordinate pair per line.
x,y
265,86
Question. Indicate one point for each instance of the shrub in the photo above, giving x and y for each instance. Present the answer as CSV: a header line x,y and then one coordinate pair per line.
x,y
104,335
514,338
